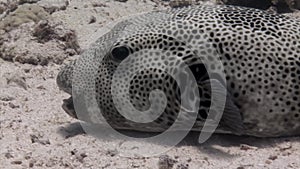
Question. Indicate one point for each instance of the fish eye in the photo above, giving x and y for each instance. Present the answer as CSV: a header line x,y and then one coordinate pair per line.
x,y
120,53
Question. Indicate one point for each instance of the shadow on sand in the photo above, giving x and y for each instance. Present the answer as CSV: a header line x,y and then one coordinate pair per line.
x,y
221,140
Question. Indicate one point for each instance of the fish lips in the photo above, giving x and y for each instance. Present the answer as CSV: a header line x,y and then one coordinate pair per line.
x,y
68,107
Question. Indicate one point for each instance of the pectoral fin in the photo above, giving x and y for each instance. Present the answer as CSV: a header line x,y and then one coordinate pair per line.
x,y
231,118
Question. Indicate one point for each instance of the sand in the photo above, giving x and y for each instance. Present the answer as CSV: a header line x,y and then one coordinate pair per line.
x,y
36,133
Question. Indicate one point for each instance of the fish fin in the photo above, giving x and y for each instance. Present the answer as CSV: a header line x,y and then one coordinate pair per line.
x,y
231,117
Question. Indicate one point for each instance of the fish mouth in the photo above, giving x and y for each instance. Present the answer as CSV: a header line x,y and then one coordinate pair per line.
x,y
68,107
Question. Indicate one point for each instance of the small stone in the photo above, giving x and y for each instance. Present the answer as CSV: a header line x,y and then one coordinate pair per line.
x,y
121,0
112,153
286,153
247,147
273,157
98,4
81,157
241,167
92,19
41,87
285,147
31,164
8,155
27,70
73,152
13,106
268,162
135,165
28,156
181,3
17,162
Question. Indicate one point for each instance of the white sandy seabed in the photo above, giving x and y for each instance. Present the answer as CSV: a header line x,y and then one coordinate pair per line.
x,y
36,133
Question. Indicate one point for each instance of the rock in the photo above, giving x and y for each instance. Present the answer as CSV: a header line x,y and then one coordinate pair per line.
x,y
31,163
285,147
6,97
183,3
37,139
79,156
273,157
182,166
23,14
41,87
247,147
43,31
297,4
53,6
2,8
284,6
47,30
28,156
36,59
26,69
7,7
73,152
71,52
166,162
65,35
16,79
6,53
241,167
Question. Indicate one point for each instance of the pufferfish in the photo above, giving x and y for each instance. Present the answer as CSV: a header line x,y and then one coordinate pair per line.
x,y
258,53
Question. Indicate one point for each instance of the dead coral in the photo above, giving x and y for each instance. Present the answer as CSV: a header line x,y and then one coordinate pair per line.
x,y
183,3
54,6
39,44
23,14
47,30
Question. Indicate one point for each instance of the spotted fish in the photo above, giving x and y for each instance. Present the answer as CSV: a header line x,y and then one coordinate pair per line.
x,y
259,54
